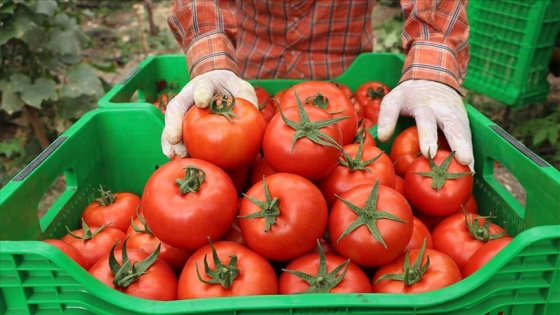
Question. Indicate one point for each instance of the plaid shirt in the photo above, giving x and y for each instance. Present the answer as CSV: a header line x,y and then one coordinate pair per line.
x,y
316,39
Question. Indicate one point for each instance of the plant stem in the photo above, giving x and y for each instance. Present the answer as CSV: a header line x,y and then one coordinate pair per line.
x,y
33,116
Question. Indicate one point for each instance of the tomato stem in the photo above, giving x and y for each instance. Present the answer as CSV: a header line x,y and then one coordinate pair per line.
x,y
107,197
323,281
375,93
269,208
412,274
356,163
439,173
368,215
127,273
221,105
194,177
88,234
222,274
311,130
146,228
318,100
481,233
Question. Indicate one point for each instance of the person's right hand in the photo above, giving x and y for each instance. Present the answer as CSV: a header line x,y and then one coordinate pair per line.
x,y
199,92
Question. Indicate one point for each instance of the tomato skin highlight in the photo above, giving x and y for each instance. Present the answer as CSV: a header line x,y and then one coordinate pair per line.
x,y
355,280
158,283
186,221
442,272
302,217
229,145
437,203
360,245
256,275
308,159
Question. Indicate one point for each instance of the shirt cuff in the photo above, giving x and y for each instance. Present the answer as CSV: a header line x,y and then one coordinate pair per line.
x,y
434,62
211,51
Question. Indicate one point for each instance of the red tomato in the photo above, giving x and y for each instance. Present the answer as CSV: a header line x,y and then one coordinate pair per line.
x,y
116,209
376,208
358,108
156,282
344,88
93,242
240,178
291,151
141,237
258,169
369,95
358,165
282,216
432,189
188,200
227,133
69,250
484,254
266,103
431,222
399,184
441,272
364,125
406,148
278,96
238,271
234,234
462,234
420,232
329,97
326,273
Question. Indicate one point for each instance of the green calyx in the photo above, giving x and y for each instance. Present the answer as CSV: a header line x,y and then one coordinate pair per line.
x,y
128,273
439,173
194,177
107,197
222,274
360,133
269,208
412,274
323,281
318,100
146,229
88,234
481,232
374,93
356,163
368,216
222,105
311,130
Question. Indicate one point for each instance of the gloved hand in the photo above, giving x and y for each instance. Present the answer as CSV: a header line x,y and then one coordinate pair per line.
x,y
199,91
432,104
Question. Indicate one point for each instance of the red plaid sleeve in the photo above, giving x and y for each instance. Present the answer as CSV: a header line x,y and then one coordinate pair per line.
x,y
206,32
435,38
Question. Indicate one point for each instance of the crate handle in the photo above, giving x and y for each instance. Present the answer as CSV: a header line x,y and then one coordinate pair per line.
x,y
523,149
40,158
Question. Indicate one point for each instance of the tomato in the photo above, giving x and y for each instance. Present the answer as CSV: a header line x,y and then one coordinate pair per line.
x,y
93,242
141,237
234,234
324,244
226,269
359,164
399,184
406,148
323,273
258,169
329,97
278,96
227,133
462,234
370,224
266,103
152,280
282,216
187,200
116,209
69,250
240,178
484,254
439,186
441,272
369,95
358,108
161,102
364,125
431,222
308,143
420,232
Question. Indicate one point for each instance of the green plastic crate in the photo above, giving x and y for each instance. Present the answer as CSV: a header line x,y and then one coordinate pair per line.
x,y
120,147
511,42
139,88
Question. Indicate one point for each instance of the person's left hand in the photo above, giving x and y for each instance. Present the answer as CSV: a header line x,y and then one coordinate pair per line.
x,y
433,105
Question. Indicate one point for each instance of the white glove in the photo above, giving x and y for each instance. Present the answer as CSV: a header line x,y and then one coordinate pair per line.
x,y
199,91
432,104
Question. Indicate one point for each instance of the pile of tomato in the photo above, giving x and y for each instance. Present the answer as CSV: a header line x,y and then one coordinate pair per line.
x,y
291,197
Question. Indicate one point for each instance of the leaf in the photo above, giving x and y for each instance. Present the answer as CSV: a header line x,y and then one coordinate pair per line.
x,y
43,89
19,81
554,134
10,100
540,136
63,42
74,108
47,7
82,80
11,147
